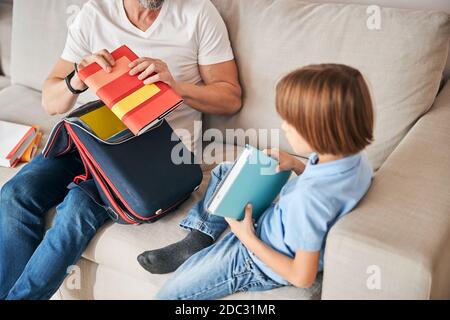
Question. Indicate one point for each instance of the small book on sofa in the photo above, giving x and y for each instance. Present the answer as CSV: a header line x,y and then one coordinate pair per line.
x,y
137,105
15,139
32,149
252,179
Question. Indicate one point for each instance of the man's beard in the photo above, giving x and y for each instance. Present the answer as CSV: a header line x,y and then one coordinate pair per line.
x,y
151,4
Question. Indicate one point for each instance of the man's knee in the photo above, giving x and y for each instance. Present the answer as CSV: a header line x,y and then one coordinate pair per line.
x,y
12,192
20,206
80,212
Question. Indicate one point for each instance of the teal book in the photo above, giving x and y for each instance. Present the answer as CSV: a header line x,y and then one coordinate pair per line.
x,y
252,179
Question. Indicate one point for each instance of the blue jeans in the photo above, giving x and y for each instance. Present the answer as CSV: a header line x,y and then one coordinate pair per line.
x,y
34,265
219,270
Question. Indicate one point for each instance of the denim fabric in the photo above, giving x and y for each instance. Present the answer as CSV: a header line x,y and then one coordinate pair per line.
x,y
33,265
215,272
198,218
221,269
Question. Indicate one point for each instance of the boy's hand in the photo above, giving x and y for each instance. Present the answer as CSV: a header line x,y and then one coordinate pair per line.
x,y
286,161
244,229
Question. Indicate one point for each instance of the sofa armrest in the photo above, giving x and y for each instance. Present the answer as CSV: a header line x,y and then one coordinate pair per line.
x,y
396,243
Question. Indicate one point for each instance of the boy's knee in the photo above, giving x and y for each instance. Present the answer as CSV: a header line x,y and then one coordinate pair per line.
x,y
12,191
161,296
166,294
222,169
180,286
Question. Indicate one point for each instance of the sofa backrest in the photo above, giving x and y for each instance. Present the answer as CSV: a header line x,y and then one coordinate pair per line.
x,y
38,38
403,61
436,5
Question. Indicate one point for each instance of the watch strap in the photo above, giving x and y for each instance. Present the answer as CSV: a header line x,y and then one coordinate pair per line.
x,y
69,86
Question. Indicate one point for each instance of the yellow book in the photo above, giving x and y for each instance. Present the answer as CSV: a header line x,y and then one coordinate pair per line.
x,y
103,122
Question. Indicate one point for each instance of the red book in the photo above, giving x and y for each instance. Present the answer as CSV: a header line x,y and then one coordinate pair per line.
x,y
139,106
14,141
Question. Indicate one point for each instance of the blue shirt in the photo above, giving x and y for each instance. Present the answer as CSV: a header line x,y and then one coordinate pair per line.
x,y
310,204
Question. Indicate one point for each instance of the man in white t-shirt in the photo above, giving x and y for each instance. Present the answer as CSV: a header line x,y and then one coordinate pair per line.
x,y
183,43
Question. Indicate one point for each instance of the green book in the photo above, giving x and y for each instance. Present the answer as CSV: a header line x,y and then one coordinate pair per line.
x,y
252,179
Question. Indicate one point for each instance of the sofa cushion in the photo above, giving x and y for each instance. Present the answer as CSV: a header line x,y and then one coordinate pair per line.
x,y
23,105
4,82
117,246
102,282
403,61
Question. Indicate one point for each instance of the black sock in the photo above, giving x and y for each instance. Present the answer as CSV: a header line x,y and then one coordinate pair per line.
x,y
168,259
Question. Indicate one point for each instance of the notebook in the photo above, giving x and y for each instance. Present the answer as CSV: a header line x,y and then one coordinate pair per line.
x,y
32,149
252,179
137,105
103,122
14,141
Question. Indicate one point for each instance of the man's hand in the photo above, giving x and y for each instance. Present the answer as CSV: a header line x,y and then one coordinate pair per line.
x,y
103,58
245,229
56,97
151,71
286,161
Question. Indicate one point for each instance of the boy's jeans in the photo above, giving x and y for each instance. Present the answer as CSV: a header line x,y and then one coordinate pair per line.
x,y
33,266
221,269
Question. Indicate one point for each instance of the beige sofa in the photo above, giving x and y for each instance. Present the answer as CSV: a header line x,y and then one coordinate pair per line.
x,y
395,244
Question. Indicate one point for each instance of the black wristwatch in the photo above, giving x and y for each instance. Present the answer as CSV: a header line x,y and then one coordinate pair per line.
x,y
69,77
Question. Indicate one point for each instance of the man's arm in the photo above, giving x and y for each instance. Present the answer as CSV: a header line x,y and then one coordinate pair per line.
x,y
220,92
56,97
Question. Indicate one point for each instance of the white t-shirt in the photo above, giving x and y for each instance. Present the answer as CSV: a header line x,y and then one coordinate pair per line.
x,y
187,33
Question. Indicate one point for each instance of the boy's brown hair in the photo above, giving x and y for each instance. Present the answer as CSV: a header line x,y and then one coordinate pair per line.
x,y
330,107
